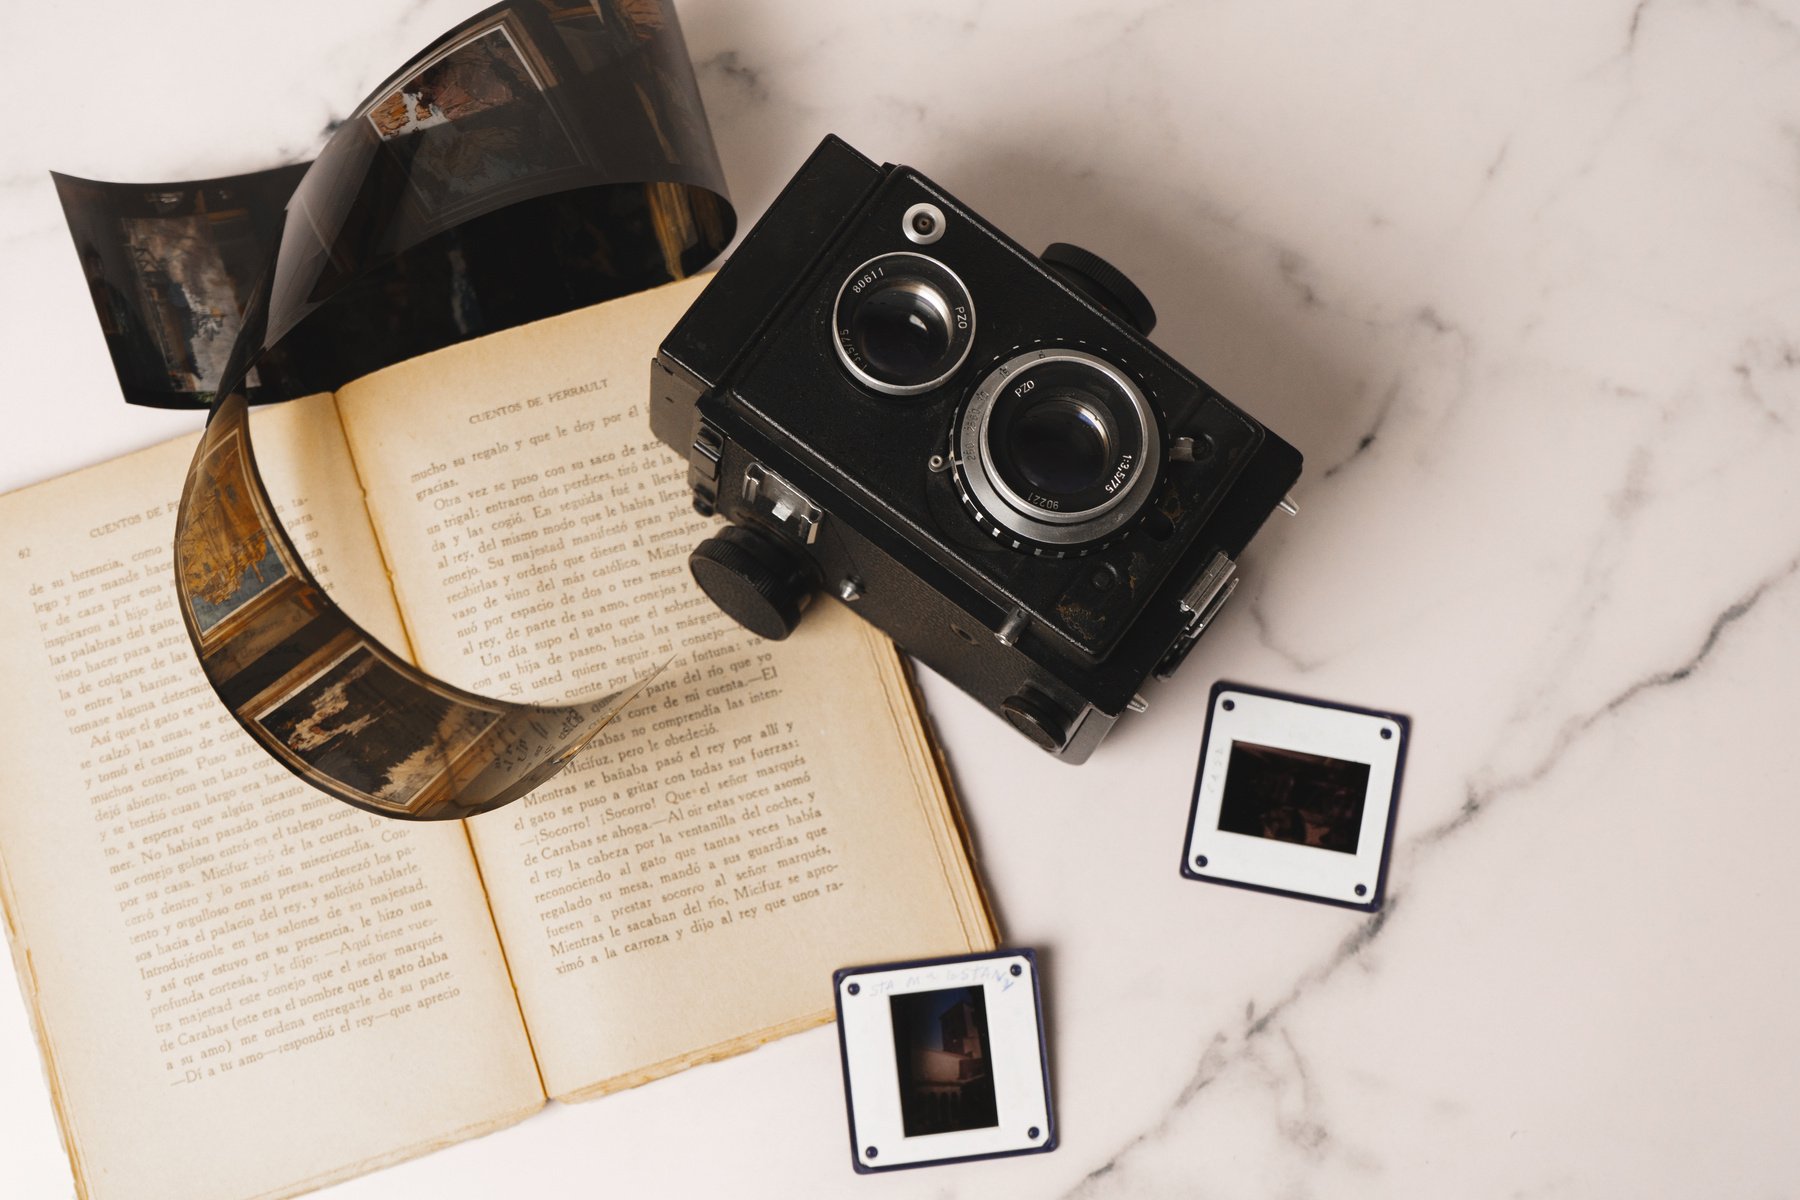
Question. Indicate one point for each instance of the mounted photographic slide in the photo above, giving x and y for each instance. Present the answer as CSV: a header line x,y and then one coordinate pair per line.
x,y
1295,796
944,1060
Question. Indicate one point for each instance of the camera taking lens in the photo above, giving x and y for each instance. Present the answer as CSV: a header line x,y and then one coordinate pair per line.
x,y
1061,444
903,323
1057,450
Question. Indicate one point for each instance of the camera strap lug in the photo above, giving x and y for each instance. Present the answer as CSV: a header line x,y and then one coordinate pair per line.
x,y
1203,601
709,448
703,468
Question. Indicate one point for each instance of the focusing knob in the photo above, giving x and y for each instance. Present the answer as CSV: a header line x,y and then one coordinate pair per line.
x,y
756,581
1102,283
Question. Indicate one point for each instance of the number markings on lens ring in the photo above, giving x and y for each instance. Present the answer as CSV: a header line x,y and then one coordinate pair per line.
x,y
868,277
1120,474
1000,535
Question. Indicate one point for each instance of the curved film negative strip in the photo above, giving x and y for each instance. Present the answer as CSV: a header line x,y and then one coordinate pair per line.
x,y
543,156
319,692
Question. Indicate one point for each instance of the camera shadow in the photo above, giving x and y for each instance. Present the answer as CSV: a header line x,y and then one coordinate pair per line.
x,y
1233,306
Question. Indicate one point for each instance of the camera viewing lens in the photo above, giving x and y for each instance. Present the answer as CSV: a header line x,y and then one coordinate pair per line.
x,y
903,329
1059,448
903,323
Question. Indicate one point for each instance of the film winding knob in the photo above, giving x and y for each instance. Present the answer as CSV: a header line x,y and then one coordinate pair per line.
x,y
1102,283
755,580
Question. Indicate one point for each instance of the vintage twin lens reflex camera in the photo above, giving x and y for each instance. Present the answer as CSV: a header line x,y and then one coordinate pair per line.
x,y
972,446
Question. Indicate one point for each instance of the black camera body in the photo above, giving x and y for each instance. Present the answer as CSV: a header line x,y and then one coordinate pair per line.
x,y
972,446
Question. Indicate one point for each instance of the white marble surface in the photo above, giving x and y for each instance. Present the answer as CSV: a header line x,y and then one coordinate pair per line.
x,y
1523,282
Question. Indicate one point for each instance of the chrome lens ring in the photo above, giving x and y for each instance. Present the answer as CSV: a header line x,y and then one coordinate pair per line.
x,y
902,323
1107,480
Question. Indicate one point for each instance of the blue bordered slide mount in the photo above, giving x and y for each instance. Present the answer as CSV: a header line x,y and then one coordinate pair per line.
x,y
1295,796
944,1060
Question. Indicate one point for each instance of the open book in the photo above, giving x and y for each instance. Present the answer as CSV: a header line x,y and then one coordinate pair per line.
x,y
245,988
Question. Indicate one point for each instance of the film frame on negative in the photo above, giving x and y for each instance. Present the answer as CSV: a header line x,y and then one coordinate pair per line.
x,y
1295,796
944,1060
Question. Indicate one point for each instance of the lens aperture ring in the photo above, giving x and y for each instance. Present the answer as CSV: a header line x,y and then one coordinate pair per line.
x,y
1057,450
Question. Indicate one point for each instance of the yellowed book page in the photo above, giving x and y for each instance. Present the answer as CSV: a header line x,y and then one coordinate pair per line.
x,y
241,986
765,813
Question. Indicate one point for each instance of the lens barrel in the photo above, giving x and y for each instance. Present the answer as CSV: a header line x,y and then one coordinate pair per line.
x,y
903,323
1057,450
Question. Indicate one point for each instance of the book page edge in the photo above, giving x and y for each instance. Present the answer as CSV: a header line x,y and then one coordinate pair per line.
x,y
718,1051
40,1029
913,728
369,1166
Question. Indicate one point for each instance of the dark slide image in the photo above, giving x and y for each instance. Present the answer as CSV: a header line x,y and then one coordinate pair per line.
x,y
941,1050
1288,796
